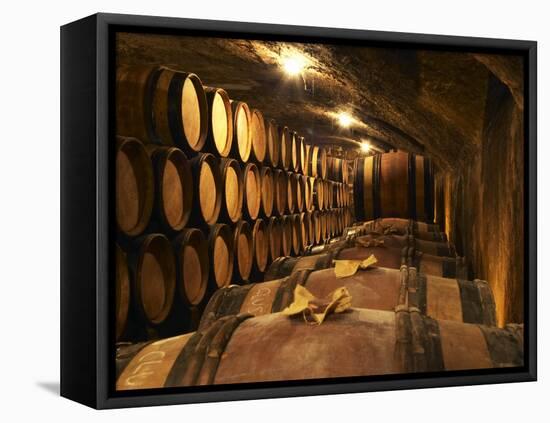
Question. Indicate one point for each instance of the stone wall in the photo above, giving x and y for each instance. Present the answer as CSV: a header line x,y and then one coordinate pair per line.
x,y
484,203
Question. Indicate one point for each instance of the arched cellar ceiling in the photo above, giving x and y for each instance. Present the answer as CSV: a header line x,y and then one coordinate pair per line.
x,y
428,102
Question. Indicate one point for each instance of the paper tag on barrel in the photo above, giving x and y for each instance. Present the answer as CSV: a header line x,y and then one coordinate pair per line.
x,y
346,268
315,310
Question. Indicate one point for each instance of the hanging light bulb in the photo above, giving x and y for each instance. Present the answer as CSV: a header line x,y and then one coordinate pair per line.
x,y
345,120
294,65
365,147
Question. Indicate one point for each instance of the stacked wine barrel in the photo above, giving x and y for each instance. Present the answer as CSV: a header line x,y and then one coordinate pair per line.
x,y
209,192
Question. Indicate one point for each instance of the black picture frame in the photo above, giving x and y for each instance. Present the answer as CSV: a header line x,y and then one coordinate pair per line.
x,y
86,224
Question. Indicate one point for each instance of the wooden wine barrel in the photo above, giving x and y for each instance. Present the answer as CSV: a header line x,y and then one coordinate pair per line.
x,y
296,156
318,194
304,228
285,151
258,136
318,162
301,151
376,288
275,236
280,184
296,234
161,105
122,291
331,223
260,243
221,253
325,234
231,209
153,266
359,342
300,192
173,186
243,251
338,197
347,195
242,145
307,189
286,235
180,111
345,172
387,257
428,232
272,141
327,195
337,169
207,189
434,248
252,191
291,192
267,191
395,184
134,90
310,228
317,238
306,168
191,250
135,186
220,122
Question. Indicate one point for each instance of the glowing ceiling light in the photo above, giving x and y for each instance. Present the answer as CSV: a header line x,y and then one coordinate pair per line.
x,y
294,65
365,147
345,120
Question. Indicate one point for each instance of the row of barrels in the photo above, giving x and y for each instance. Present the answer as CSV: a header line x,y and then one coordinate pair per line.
x,y
159,186
360,342
157,275
159,105
394,185
411,313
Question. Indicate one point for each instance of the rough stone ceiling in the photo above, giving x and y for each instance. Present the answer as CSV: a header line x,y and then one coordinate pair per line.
x,y
423,101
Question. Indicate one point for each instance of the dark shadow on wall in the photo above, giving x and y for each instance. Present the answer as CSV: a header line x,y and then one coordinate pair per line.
x,y
486,205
